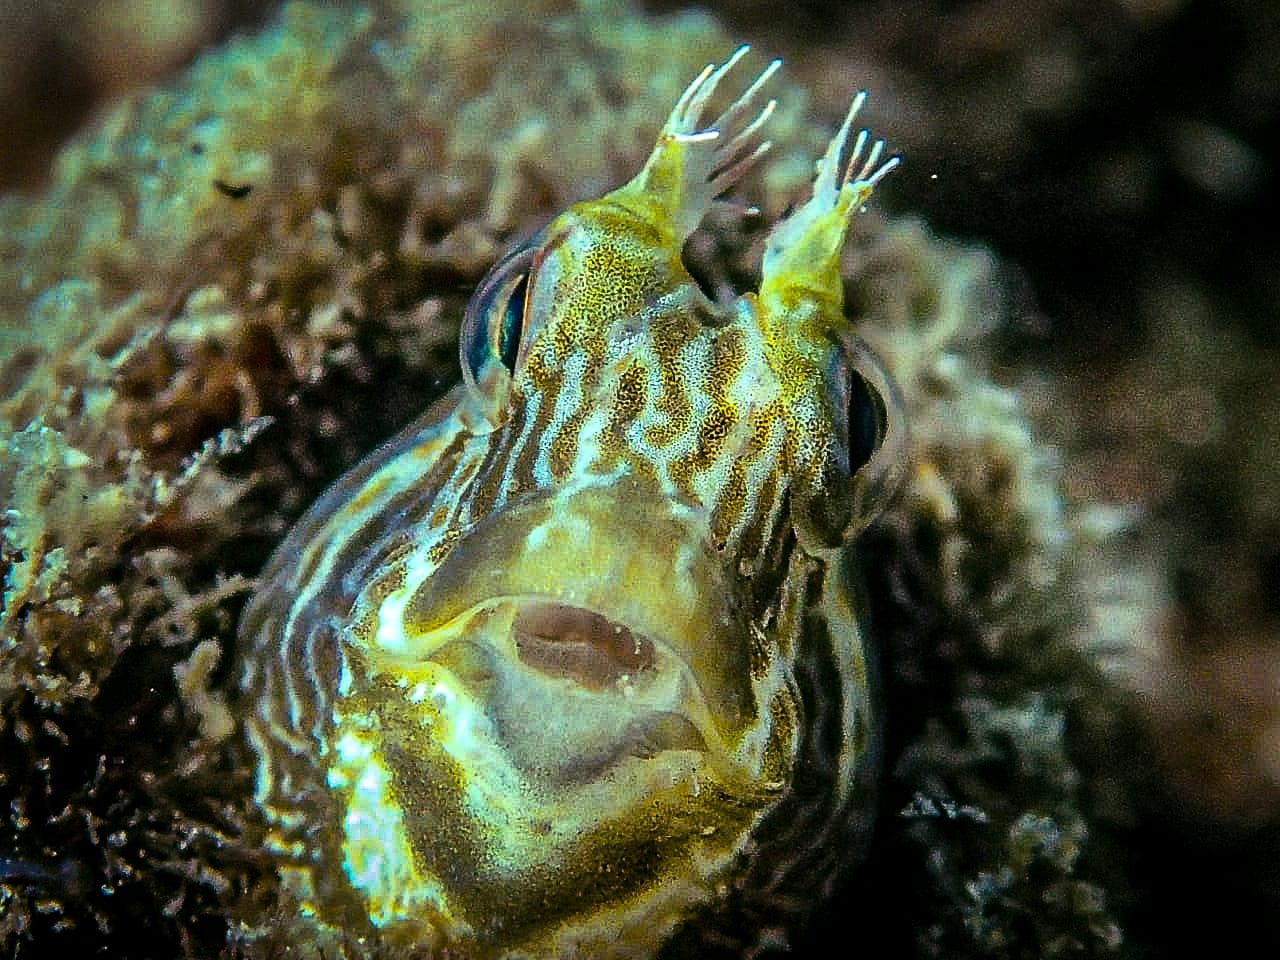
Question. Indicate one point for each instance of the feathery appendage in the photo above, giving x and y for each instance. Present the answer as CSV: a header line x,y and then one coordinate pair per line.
x,y
692,164
803,251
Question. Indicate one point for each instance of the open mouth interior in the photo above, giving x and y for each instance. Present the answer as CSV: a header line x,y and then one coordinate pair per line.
x,y
562,648
566,694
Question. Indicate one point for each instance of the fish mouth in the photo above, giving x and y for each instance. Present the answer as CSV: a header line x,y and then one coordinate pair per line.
x,y
568,695
586,629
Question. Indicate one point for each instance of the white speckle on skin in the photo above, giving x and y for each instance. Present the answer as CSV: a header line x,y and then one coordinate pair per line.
x,y
536,537
683,566
390,636
351,749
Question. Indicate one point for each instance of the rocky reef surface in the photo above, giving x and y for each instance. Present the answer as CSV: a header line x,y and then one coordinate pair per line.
x,y
236,284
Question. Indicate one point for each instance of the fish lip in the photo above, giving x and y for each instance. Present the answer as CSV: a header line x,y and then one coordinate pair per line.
x,y
660,706
578,642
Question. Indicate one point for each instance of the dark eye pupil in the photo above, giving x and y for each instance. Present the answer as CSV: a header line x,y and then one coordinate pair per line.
x,y
512,324
492,330
865,418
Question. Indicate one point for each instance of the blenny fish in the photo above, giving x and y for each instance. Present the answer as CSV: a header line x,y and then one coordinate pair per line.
x,y
576,660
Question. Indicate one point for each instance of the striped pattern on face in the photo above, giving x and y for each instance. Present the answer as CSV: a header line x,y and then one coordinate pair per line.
x,y
660,395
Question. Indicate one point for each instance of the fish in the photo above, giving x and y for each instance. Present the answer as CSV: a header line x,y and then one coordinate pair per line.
x,y
577,662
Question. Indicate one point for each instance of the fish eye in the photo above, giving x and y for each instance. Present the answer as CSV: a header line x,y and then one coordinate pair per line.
x,y
489,342
865,421
869,428
866,412
875,433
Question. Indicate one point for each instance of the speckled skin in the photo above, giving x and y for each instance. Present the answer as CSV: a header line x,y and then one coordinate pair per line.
x,y
540,675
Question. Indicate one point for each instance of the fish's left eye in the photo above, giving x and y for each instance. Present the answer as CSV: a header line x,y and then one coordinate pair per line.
x,y
866,421
869,433
871,430
492,327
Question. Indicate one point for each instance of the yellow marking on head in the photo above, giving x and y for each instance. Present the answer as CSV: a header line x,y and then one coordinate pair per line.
x,y
368,495
606,280
443,546
564,448
629,401
733,500
440,515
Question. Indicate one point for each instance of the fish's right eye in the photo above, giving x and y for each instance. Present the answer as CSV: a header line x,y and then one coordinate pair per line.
x,y
492,327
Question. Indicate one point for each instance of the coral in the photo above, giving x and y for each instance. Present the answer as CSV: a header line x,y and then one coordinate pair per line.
x,y
237,284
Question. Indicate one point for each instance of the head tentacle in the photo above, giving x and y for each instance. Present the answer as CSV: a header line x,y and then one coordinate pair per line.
x,y
801,260
692,164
